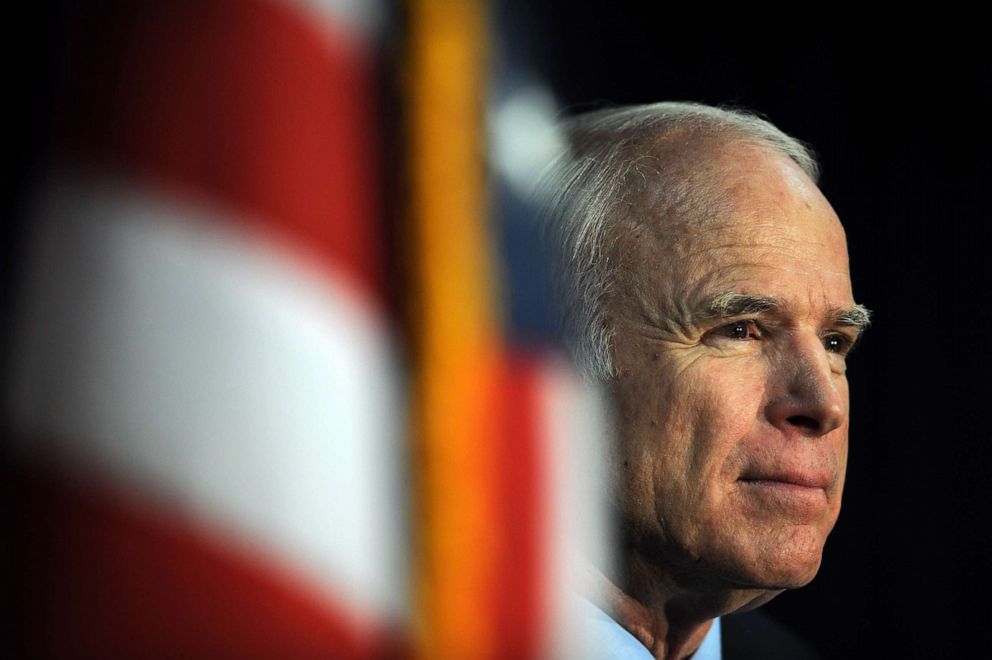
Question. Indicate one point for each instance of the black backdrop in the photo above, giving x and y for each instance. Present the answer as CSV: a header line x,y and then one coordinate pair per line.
x,y
901,125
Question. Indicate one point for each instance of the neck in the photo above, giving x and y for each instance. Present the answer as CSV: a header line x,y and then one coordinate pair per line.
x,y
669,619
664,635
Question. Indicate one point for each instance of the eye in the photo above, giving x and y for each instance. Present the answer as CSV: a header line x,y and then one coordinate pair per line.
x,y
838,343
741,330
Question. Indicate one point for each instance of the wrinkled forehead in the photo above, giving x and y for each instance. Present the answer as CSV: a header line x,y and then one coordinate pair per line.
x,y
724,207
729,190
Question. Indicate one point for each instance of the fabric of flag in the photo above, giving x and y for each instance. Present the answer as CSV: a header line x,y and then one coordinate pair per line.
x,y
204,399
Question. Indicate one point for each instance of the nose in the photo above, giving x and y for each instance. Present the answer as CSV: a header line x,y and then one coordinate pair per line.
x,y
808,399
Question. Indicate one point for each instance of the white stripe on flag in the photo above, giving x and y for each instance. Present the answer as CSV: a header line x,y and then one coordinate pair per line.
x,y
181,358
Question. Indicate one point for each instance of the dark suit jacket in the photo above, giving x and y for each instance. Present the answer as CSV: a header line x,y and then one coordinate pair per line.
x,y
756,636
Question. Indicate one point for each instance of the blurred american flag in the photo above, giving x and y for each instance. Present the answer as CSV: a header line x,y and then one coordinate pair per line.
x,y
218,446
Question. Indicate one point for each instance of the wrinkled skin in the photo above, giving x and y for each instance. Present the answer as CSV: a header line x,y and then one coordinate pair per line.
x,y
719,417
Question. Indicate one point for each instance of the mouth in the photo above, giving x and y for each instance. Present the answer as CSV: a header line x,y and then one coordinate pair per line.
x,y
798,480
786,489
797,495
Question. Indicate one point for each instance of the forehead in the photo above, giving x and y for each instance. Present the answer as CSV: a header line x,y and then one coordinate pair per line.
x,y
745,220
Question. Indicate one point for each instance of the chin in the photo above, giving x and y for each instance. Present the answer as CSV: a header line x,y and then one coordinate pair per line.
x,y
773,564
787,577
770,577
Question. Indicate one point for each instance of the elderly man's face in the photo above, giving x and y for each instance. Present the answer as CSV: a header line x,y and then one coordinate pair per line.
x,y
731,395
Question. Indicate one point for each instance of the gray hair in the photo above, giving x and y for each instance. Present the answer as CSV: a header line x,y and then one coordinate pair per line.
x,y
607,164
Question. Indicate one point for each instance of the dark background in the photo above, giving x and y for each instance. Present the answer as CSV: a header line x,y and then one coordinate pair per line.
x,y
900,121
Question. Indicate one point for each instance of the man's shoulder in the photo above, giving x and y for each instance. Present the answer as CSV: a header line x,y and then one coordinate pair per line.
x,y
756,635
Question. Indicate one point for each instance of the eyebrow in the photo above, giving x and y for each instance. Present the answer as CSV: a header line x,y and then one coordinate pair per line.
x,y
731,303
858,317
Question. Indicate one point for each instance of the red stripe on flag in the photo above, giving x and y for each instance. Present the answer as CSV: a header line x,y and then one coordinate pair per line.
x,y
96,575
520,608
242,101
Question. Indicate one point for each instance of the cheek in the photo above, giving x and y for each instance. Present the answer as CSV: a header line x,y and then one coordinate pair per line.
x,y
727,404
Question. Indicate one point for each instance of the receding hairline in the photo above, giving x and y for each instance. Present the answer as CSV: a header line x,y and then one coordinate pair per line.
x,y
679,128
692,160
614,158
